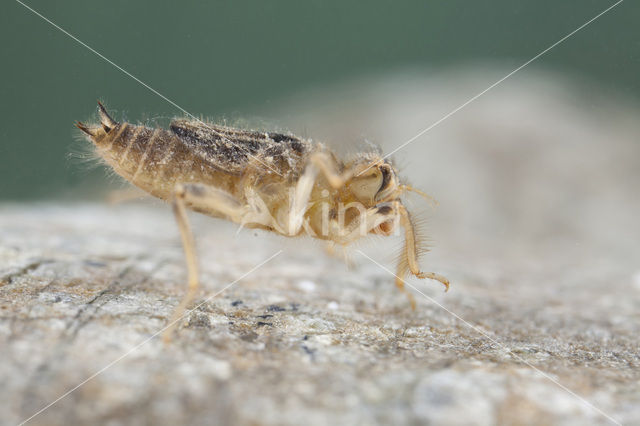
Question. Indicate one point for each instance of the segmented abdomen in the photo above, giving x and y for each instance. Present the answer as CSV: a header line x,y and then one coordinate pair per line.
x,y
152,159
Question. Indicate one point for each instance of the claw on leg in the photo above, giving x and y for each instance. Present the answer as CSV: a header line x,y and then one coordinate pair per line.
x,y
434,276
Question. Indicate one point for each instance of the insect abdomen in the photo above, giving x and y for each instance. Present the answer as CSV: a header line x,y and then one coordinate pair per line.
x,y
156,160
149,158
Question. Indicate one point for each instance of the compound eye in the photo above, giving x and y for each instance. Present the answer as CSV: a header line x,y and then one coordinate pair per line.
x,y
386,177
386,181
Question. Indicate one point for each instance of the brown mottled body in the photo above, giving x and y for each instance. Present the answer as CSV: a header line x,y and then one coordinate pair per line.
x,y
156,160
266,180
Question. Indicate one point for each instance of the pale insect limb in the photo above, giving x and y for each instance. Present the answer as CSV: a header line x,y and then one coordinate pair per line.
x,y
318,162
327,165
366,221
434,276
409,259
432,201
212,200
299,199
205,198
216,202
119,196
330,248
344,256
359,223
258,212
188,243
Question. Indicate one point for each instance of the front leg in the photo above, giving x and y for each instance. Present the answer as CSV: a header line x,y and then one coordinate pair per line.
x,y
374,219
326,164
319,162
409,259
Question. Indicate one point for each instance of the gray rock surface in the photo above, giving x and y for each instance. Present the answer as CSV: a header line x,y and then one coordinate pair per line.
x,y
537,230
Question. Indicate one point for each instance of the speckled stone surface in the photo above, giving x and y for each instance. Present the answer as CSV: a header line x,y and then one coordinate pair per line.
x,y
537,230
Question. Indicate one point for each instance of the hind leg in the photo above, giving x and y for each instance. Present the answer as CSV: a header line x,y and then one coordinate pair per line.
x,y
201,196
119,196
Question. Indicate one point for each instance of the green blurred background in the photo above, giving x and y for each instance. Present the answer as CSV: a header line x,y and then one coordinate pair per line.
x,y
235,58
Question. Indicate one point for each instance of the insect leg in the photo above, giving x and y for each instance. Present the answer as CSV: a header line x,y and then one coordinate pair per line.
x,y
374,217
204,198
132,193
424,195
300,198
318,162
331,249
409,258
327,165
211,200
365,222
180,212
216,202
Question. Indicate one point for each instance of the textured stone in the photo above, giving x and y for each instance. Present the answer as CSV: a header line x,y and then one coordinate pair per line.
x,y
537,229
